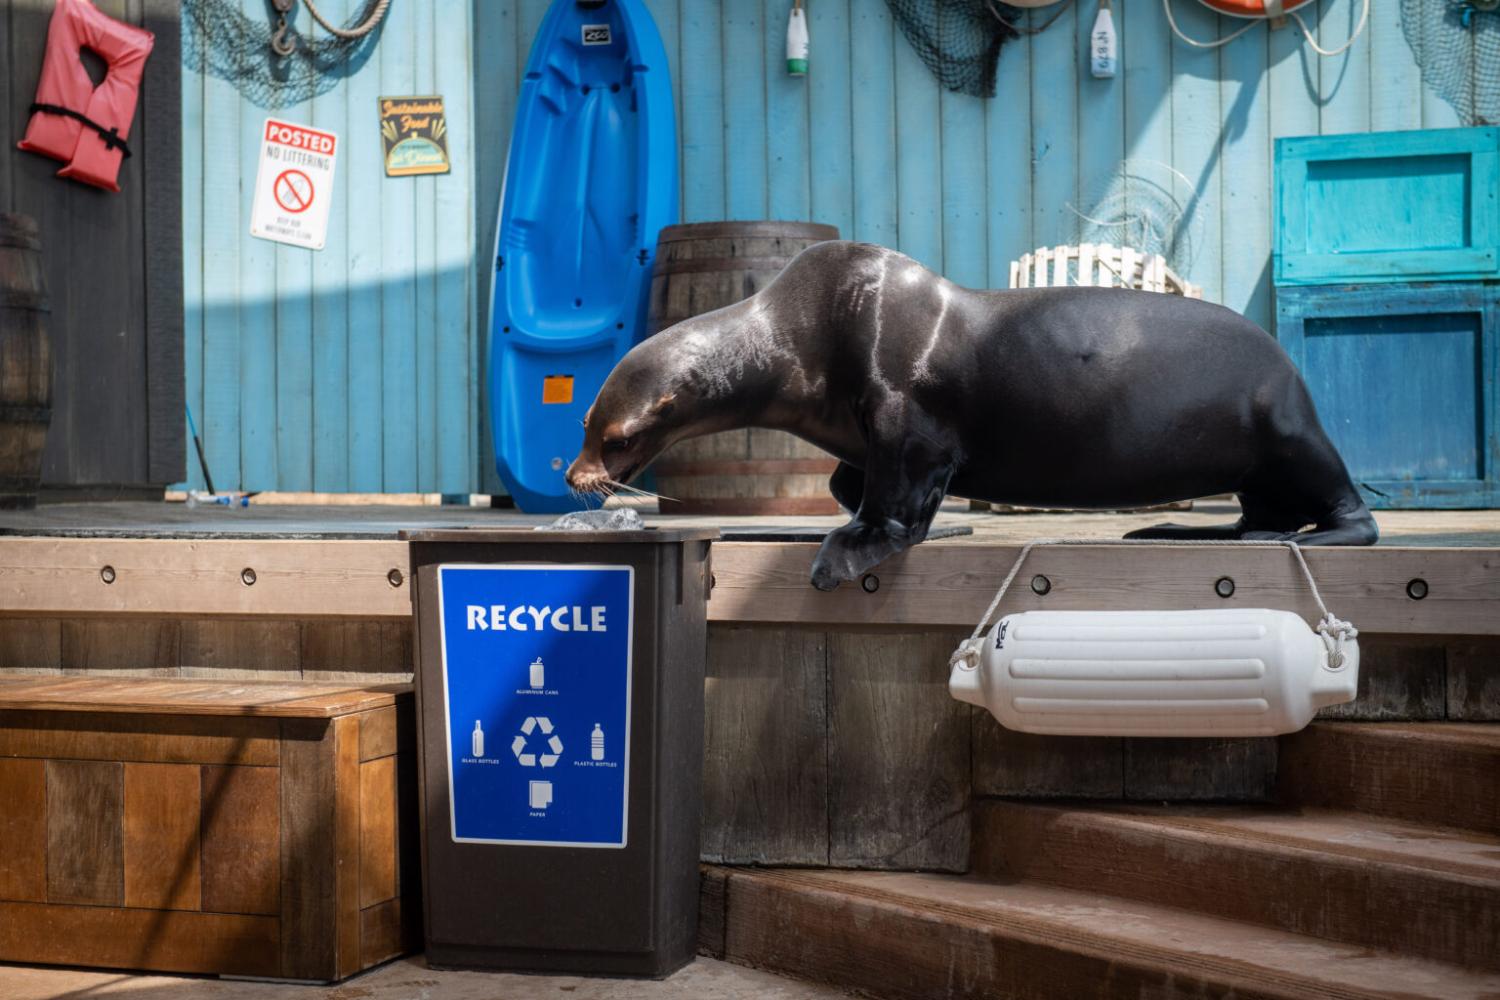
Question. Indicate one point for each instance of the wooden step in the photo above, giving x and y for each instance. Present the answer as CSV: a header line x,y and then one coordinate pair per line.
x,y
905,936
1441,773
1352,877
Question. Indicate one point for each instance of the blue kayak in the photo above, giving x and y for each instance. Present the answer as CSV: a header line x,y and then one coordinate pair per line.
x,y
591,178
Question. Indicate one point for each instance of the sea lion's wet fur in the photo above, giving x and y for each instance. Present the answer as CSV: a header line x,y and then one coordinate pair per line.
x,y
1070,397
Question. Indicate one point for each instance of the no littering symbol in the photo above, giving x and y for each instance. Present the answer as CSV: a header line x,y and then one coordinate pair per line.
x,y
293,190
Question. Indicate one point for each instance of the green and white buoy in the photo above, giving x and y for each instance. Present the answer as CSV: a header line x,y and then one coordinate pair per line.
x,y
796,41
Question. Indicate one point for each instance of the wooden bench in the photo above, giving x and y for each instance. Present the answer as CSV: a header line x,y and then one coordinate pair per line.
x,y
232,828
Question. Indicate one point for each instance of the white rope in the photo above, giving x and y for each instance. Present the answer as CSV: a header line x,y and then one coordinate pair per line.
x,y
1364,17
377,11
1334,630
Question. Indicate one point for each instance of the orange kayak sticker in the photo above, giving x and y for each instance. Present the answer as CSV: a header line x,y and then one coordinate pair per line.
x,y
557,389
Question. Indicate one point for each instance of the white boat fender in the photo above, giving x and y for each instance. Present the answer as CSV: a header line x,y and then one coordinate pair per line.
x,y
1220,672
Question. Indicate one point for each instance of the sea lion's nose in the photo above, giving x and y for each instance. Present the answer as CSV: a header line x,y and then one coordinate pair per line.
x,y
583,469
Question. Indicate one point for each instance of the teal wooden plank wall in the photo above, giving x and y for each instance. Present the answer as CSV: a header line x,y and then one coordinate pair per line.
x,y
354,368
870,143
362,368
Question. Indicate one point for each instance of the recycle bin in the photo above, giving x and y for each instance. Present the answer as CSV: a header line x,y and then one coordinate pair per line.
x,y
559,687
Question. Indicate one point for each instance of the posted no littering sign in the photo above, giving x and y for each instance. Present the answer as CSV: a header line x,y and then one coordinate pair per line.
x,y
294,184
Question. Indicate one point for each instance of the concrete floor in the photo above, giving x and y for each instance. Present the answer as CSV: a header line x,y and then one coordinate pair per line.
x,y
410,979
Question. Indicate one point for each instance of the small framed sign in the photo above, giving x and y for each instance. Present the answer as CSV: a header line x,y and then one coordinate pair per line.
x,y
415,133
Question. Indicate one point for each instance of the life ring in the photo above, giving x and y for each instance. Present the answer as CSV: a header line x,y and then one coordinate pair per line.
x,y
1264,10
1254,8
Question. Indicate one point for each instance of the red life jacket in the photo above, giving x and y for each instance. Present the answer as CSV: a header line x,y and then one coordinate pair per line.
x,y
71,119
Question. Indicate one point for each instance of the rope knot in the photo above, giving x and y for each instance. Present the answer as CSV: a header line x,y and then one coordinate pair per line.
x,y
1334,631
967,654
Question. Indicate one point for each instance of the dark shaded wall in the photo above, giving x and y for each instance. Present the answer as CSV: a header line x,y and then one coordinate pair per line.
x,y
114,268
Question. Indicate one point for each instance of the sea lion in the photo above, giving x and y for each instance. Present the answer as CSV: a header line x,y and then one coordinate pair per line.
x,y
1066,397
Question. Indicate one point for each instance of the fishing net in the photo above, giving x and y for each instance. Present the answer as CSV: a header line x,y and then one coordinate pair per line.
x,y
219,39
959,40
1149,206
1457,46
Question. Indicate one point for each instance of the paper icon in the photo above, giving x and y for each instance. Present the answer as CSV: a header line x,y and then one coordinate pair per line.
x,y
541,794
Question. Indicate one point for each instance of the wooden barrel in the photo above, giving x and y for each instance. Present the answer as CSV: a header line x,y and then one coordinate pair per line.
x,y
25,362
701,267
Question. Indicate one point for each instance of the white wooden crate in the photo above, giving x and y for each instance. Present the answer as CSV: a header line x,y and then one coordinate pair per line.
x,y
1100,264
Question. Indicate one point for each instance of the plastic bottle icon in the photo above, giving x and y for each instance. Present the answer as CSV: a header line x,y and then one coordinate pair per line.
x,y
477,740
538,673
596,743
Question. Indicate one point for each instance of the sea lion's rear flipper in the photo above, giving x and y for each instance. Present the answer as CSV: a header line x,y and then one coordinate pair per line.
x,y
1355,528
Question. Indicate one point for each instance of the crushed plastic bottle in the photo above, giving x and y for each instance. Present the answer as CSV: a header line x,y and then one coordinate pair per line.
x,y
619,519
201,498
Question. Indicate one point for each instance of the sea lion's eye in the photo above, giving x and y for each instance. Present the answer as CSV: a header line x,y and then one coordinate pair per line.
x,y
617,444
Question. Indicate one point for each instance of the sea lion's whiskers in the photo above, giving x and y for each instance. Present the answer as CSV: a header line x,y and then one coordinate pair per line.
x,y
640,492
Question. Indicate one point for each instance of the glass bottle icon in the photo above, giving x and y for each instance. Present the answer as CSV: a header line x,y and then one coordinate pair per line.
x,y
476,740
596,743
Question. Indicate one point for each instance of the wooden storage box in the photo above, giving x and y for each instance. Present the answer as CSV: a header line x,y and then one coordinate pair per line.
x,y
248,829
1388,207
1404,380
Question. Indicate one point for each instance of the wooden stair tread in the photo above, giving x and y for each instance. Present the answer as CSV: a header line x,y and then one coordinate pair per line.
x,y
1439,773
1353,836
1136,942
172,696
1349,877
1479,735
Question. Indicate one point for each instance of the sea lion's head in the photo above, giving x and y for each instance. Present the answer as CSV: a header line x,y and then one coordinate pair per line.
x,y
714,372
642,408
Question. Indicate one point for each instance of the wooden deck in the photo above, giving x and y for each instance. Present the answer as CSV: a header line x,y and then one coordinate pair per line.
x,y
1434,573
834,706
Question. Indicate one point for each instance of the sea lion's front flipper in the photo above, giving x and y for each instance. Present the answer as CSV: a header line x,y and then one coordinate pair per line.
x,y
847,484
902,485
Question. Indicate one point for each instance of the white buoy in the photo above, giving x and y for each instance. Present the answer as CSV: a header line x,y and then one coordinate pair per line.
x,y
1222,672
796,41
1102,57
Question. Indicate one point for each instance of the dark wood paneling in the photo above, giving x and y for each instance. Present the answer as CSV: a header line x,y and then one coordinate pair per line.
x,y
246,648
765,762
1200,769
93,644
1011,763
162,858
161,114
1474,680
309,854
23,829
241,840
30,643
84,812
1399,678
356,647
899,775
113,265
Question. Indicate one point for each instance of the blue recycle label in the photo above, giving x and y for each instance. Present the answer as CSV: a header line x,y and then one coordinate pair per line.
x,y
536,686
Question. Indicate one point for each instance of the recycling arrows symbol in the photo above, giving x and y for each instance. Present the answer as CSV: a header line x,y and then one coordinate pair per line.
x,y
518,745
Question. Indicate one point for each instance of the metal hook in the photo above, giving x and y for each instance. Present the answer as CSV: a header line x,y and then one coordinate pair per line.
x,y
283,42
